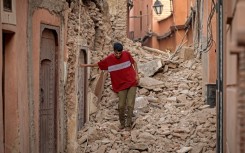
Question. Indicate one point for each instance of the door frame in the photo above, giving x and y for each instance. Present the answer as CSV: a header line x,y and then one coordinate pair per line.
x,y
56,31
83,50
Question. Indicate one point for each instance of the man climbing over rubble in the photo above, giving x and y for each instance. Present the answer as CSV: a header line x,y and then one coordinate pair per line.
x,y
124,79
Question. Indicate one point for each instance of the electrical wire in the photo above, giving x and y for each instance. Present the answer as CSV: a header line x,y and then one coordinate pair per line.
x,y
210,41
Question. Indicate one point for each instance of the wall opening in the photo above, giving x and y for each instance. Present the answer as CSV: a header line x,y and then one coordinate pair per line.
x,y
3,80
9,105
82,90
7,5
48,93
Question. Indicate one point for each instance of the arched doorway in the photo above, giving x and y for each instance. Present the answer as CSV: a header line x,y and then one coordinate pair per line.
x,y
47,94
82,89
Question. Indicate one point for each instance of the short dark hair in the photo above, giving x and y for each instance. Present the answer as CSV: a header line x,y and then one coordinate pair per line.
x,y
118,47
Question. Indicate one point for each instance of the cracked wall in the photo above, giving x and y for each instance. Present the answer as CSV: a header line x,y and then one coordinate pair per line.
x,y
97,27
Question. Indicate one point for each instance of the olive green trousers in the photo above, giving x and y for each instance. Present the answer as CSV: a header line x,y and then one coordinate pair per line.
x,y
126,100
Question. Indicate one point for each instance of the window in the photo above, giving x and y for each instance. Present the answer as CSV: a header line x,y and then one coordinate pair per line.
x,y
8,11
7,5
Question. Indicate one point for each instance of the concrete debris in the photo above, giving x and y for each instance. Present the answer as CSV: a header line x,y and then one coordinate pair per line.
x,y
170,115
184,150
150,68
186,53
92,101
140,102
150,83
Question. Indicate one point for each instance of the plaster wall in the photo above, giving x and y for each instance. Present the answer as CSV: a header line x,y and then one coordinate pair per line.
x,y
180,12
141,18
43,16
231,101
233,75
209,56
11,117
15,83
21,51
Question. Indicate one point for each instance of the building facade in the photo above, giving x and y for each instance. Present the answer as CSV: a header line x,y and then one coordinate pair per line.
x,y
45,99
190,23
31,81
233,78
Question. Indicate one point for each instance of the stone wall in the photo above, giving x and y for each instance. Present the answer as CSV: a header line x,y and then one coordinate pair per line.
x,y
96,30
118,12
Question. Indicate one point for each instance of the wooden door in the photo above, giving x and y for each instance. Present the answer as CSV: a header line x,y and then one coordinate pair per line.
x,y
81,91
47,122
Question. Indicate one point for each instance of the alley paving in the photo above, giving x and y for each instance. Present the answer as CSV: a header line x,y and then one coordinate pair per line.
x,y
170,113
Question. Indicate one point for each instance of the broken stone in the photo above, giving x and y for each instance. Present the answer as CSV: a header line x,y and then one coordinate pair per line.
x,y
173,65
143,91
181,98
150,68
139,147
172,99
113,151
152,99
197,148
184,150
92,100
140,102
150,83
147,136
187,53
101,149
204,107
169,115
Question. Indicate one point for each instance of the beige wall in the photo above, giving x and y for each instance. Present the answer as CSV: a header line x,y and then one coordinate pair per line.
x,y
230,137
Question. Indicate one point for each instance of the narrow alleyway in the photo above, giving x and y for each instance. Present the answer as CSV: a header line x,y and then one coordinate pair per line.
x,y
170,114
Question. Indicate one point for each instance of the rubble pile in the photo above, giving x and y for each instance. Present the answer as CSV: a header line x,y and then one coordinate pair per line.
x,y
170,114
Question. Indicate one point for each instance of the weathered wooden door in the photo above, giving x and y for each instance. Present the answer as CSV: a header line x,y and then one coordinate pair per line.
x,y
47,123
81,91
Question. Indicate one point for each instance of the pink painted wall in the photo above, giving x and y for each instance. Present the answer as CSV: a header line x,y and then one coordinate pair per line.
x,y
142,10
11,117
181,10
213,55
211,72
16,125
39,16
21,50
